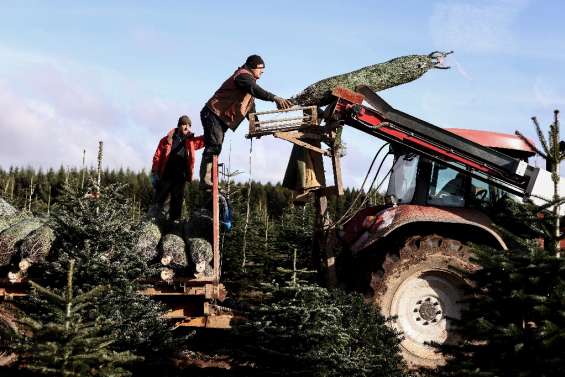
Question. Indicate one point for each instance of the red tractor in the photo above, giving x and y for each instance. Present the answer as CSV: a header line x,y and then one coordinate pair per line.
x,y
405,252
406,256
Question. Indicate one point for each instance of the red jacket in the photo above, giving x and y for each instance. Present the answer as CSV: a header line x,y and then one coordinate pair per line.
x,y
164,149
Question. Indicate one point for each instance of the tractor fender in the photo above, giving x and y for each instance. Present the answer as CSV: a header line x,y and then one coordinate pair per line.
x,y
372,228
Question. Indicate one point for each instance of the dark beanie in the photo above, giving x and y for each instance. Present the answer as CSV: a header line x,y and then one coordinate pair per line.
x,y
253,61
184,120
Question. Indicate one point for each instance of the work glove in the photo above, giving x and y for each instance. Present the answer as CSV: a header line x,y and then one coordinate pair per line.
x,y
283,103
154,180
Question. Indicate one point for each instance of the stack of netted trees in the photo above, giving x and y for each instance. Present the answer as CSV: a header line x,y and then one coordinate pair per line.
x,y
24,240
183,249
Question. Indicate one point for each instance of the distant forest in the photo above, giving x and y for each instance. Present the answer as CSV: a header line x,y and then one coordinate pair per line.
x,y
36,190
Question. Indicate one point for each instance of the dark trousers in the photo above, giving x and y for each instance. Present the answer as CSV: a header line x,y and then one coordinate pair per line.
x,y
175,188
214,131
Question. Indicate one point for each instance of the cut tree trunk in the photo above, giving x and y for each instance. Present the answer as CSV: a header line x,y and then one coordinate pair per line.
x,y
207,271
378,77
9,238
167,274
174,253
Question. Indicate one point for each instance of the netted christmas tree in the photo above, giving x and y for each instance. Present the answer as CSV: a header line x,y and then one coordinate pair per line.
x,y
67,336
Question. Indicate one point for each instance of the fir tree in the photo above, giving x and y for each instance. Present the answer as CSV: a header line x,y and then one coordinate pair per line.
x,y
304,330
67,335
99,235
514,324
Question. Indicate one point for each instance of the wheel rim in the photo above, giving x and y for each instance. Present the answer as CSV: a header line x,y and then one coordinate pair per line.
x,y
423,307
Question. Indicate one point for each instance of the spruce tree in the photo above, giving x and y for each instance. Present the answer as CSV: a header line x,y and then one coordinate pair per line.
x,y
514,322
302,329
67,336
97,232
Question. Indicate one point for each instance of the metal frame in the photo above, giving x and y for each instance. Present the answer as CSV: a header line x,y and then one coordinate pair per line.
x,y
304,131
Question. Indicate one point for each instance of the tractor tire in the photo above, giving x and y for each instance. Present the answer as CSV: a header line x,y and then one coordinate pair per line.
x,y
419,286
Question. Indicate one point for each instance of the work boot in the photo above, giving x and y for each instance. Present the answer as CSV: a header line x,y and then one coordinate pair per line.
x,y
205,175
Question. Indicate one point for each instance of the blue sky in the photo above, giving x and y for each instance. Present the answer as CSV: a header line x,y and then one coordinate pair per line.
x,y
75,72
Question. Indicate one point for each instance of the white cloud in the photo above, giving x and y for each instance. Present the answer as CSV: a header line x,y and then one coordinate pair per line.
x,y
51,110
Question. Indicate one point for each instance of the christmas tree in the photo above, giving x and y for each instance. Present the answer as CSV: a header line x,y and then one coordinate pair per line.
x,y
302,329
96,232
67,336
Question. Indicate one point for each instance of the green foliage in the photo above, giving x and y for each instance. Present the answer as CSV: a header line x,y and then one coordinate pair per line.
x,y
99,236
306,330
270,243
514,324
514,309
66,337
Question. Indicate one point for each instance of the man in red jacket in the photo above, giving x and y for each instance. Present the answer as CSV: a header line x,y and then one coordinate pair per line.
x,y
173,166
232,102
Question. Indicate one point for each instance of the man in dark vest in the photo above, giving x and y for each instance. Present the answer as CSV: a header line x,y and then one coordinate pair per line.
x,y
173,165
232,102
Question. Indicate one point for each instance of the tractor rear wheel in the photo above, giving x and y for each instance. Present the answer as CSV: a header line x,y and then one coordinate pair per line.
x,y
420,287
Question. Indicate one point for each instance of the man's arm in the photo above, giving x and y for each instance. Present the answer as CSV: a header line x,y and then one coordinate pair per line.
x,y
198,142
247,83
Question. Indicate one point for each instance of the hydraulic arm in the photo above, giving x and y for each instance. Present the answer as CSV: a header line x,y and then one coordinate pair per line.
x,y
383,121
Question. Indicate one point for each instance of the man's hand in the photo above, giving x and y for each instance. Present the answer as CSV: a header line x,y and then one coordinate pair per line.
x,y
283,103
154,180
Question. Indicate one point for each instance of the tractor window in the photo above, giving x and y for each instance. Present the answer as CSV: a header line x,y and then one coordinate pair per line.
x,y
480,194
447,187
402,182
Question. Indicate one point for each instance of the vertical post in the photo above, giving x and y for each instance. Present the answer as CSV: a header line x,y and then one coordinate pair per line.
x,y
323,244
83,172
322,250
215,220
556,178
336,160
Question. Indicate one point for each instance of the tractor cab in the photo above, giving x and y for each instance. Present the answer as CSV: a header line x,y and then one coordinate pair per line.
x,y
416,179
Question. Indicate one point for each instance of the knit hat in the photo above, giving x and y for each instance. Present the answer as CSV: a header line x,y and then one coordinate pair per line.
x,y
253,61
184,120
